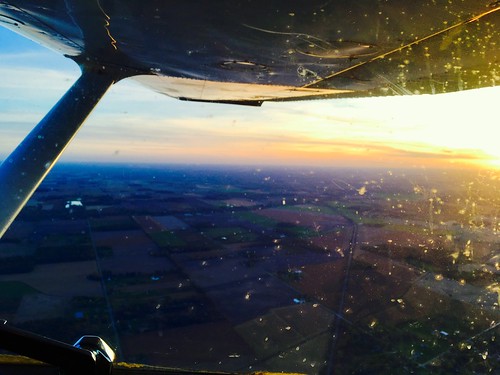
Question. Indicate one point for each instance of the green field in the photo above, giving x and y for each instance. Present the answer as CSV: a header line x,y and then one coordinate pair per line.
x,y
256,219
231,234
167,239
12,293
113,223
297,231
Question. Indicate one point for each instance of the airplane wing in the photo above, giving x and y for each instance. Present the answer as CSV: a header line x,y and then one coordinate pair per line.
x,y
246,52
258,50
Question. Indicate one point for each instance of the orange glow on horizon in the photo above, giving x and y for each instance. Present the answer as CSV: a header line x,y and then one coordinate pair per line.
x,y
306,153
133,124
442,131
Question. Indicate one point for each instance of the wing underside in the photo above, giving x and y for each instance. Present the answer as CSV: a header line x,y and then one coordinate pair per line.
x,y
253,51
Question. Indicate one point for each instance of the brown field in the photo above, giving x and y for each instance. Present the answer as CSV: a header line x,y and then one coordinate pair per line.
x,y
239,202
376,282
39,307
292,332
54,279
148,224
323,282
375,236
163,284
310,358
131,252
308,219
333,241
212,343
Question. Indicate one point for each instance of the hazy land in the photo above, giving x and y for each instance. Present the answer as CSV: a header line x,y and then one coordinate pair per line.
x,y
226,268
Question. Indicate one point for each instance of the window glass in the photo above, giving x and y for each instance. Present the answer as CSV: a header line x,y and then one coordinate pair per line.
x,y
332,236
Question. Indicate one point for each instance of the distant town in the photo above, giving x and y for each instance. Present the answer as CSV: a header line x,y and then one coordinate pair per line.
x,y
303,270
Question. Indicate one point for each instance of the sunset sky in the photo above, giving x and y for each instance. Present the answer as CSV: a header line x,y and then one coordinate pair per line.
x,y
134,124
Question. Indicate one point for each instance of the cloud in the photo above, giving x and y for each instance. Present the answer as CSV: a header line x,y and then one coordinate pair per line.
x,y
148,139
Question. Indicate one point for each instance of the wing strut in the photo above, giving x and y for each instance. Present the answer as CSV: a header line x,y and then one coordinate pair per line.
x,y
24,169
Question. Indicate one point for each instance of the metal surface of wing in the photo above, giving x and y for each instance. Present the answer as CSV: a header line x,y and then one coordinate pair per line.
x,y
342,48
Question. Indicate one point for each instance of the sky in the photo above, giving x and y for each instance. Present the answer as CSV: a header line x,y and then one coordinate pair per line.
x,y
133,124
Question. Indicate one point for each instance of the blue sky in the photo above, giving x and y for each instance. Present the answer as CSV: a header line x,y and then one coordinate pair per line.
x,y
134,124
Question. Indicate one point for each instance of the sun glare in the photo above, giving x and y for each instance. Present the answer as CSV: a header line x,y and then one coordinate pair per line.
x,y
434,130
493,162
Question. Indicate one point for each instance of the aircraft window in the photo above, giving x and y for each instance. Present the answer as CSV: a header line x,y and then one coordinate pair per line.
x,y
345,236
